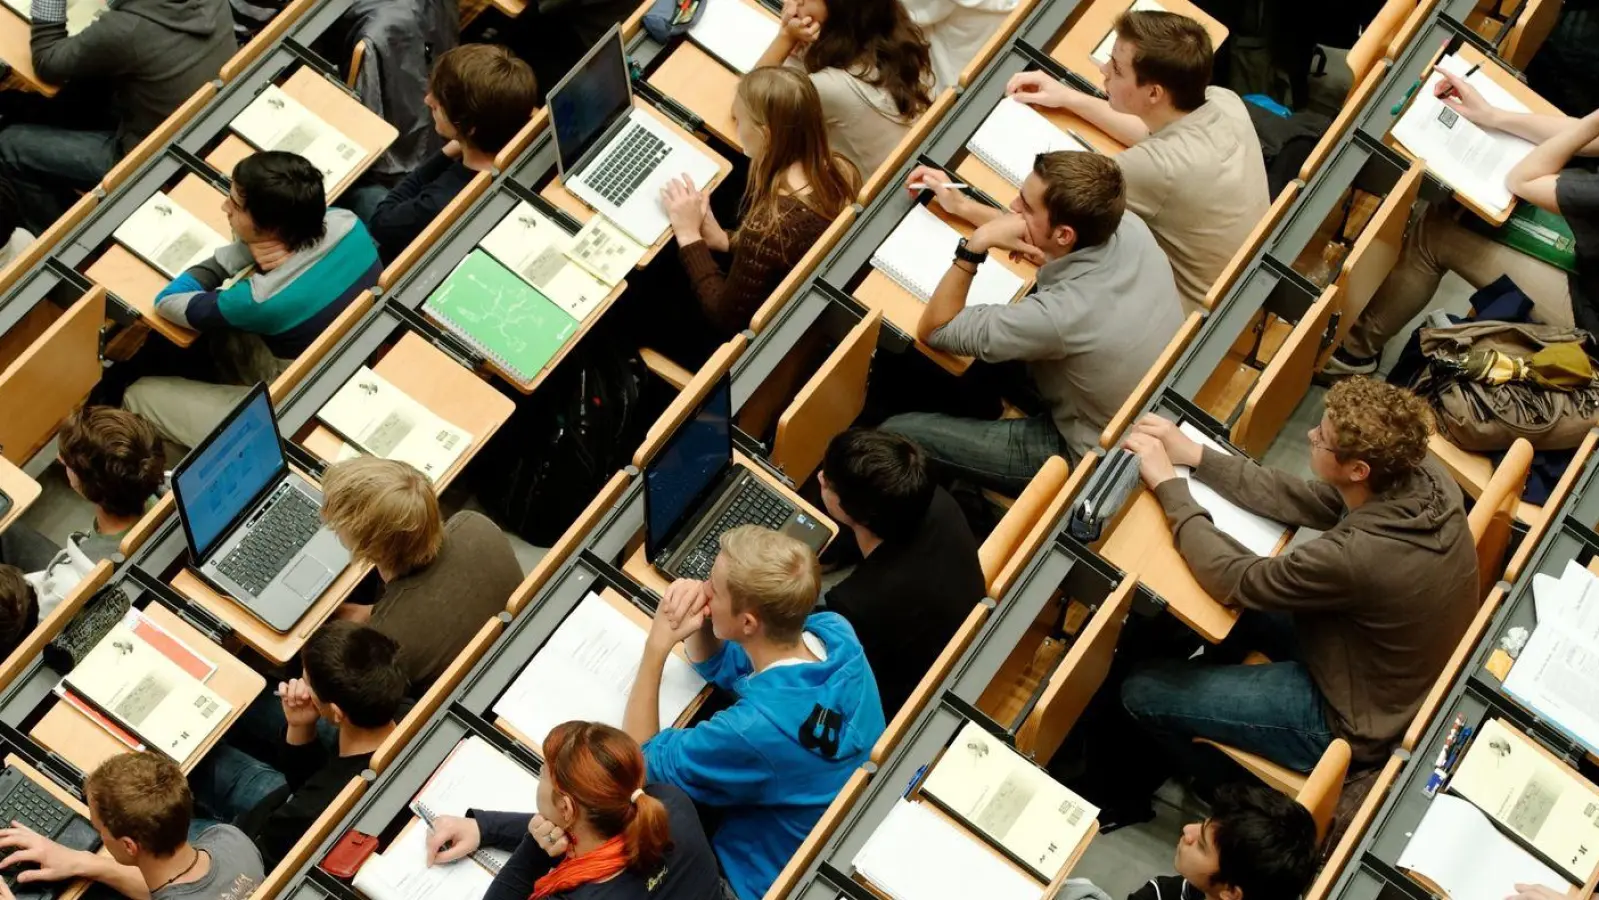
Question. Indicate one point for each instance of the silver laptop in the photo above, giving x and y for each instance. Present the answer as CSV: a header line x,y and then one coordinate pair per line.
x,y
612,156
255,528
693,493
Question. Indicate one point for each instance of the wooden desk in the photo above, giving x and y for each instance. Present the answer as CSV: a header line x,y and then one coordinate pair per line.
x,y
433,379
84,744
977,173
903,309
642,571
137,282
333,105
703,84
1076,47
556,192
22,490
16,35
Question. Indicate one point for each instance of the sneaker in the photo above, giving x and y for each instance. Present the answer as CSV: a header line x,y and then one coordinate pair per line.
x,y
1342,364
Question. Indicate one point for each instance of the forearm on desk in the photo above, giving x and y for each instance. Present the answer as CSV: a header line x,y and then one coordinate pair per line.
x,y
1125,128
948,299
1270,493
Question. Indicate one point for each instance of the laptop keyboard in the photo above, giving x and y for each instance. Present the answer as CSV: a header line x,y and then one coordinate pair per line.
x,y
276,538
632,160
33,806
752,505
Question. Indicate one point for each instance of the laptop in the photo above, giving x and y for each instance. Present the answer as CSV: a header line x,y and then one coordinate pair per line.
x,y
22,800
255,528
693,494
612,156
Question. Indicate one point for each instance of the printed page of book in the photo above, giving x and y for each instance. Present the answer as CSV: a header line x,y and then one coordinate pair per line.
x,y
167,236
534,247
387,422
605,250
917,855
1472,160
1458,849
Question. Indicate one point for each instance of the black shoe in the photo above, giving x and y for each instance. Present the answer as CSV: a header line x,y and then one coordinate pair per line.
x,y
1113,818
1343,364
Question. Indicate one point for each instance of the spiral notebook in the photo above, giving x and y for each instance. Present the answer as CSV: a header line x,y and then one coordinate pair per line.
x,y
507,320
918,252
533,246
1013,135
401,872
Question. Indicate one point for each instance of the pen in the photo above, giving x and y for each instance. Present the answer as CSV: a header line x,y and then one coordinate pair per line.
x,y
1449,742
1449,90
1081,140
923,186
1405,99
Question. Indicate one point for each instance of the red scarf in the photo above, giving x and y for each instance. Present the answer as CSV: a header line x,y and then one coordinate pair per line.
x,y
606,860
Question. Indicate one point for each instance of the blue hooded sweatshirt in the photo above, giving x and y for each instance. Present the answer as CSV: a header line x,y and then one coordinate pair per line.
x,y
776,758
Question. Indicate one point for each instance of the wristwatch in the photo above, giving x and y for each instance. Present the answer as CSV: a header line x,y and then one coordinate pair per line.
x,y
972,256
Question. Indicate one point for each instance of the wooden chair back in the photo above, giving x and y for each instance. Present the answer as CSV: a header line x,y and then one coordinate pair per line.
x,y
1152,379
1286,378
51,378
159,138
692,394
357,60
1408,29
433,698
568,542
1373,41
1359,95
828,403
1019,520
927,688
33,644
789,878
874,182
46,242
324,343
282,874
1325,785
1493,517
447,217
264,39
1044,528
1322,887
1528,32
1078,677
1374,252
1439,691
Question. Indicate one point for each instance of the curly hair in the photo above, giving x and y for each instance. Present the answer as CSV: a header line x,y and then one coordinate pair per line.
x,y
1384,426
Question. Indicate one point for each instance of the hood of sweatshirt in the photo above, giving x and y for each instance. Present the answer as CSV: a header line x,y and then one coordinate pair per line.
x,y
196,17
831,707
1415,510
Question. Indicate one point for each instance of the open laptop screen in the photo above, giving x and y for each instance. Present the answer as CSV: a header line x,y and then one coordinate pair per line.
x,y
217,482
591,96
687,467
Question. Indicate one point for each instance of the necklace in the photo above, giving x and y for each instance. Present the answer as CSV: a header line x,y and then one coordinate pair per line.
x,y
197,852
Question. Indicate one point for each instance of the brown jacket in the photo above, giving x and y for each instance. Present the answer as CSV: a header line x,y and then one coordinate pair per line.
x,y
1379,600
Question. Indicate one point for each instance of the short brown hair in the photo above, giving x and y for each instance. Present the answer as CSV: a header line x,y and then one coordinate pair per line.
x,y
1172,51
384,511
117,456
1085,191
486,92
144,797
19,609
772,575
1384,426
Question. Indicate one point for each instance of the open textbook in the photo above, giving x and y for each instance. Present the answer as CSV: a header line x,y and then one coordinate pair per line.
x,y
80,13
401,872
1557,673
276,121
1106,47
1258,534
1013,135
917,254
1472,160
1015,803
916,854
477,776
167,236
378,418
586,671
1459,850
734,32
530,244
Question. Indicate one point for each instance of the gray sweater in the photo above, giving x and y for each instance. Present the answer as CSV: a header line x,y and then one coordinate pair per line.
x,y
1093,326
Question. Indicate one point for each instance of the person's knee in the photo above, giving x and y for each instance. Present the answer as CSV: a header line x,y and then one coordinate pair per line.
x,y
1150,692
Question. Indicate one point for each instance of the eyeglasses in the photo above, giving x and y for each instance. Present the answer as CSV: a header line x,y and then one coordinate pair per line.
x,y
1319,442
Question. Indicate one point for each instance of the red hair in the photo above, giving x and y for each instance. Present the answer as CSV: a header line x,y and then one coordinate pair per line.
x,y
601,768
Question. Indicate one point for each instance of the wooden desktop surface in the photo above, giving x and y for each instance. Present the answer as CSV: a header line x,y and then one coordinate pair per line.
x,y
703,84
22,490
1075,49
641,571
81,742
448,389
16,36
979,175
137,282
556,192
903,309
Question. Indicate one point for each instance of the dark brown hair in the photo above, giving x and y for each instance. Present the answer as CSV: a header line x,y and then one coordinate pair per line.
x,y
144,797
876,41
117,456
600,768
1172,51
19,609
355,667
1085,191
486,92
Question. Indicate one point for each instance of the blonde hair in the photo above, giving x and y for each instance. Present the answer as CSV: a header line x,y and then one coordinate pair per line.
x,y
785,103
772,575
385,511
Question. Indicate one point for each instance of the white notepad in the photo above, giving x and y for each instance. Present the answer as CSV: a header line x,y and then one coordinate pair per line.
x,y
477,776
586,671
734,32
1461,851
918,253
1013,135
383,420
167,236
916,855
1107,47
401,872
1472,160
1258,534
533,246
276,121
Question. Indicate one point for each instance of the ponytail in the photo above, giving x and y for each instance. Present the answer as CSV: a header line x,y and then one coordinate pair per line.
x,y
602,769
648,834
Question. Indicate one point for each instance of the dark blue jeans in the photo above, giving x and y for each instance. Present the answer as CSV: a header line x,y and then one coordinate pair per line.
x,y
50,166
1003,454
229,783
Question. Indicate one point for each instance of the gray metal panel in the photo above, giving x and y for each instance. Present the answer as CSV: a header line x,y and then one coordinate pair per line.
x,y
1010,620
758,361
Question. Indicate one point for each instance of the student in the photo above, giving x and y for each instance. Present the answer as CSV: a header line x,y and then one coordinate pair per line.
x,y
1437,243
441,581
871,68
19,609
807,712
141,805
600,833
1362,617
920,577
309,263
15,237
1103,310
481,95
1193,163
148,55
956,31
797,187
115,460
1257,844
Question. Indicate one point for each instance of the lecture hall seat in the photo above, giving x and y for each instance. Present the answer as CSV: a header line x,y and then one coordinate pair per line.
x,y
1024,512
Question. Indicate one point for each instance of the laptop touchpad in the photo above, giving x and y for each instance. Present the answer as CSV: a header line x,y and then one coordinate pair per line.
x,y
306,577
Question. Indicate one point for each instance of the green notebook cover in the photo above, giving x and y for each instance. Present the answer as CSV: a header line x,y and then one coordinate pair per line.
x,y
500,314
1535,232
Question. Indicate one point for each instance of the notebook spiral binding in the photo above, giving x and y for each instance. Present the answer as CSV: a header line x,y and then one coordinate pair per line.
x,y
481,857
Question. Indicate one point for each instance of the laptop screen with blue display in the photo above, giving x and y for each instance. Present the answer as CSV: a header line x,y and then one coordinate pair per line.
x,y
688,467
224,475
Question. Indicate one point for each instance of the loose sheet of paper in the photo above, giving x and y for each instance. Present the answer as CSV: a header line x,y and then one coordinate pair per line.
x,y
1103,52
1462,852
477,776
734,32
916,855
386,422
534,247
167,236
605,250
1011,800
1258,534
918,252
401,872
586,671
1013,135
1472,160
1554,598
1557,673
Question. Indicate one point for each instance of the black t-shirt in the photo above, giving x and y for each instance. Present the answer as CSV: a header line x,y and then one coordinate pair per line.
x,y
1167,887
314,778
1577,192
688,872
909,598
